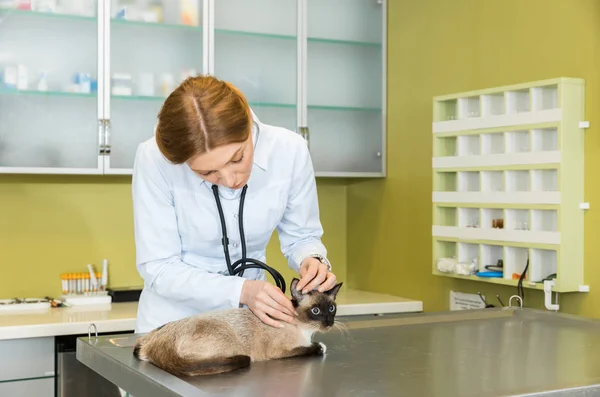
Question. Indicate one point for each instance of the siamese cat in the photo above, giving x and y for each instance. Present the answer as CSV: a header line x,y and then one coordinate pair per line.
x,y
227,340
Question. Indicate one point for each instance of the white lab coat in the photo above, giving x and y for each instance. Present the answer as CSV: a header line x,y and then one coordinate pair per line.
x,y
178,234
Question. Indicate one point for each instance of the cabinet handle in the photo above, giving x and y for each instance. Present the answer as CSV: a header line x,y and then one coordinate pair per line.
x,y
304,131
107,147
101,136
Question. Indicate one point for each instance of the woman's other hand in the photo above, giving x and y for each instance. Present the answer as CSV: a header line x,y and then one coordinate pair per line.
x,y
315,274
267,302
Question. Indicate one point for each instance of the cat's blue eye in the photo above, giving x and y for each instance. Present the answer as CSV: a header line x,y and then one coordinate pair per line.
x,y
315,311
331,308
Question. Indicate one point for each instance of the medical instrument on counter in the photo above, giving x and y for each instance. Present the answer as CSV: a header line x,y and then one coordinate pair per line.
x,y
489,305
86,288
238,267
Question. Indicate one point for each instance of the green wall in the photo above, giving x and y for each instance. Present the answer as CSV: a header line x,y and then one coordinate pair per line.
x,y
54,224
438,47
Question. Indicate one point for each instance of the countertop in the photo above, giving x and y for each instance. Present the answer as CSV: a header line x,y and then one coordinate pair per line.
x,y
466,353
117,317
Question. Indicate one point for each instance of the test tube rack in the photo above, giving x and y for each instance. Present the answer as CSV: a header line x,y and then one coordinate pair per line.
x,y
85,288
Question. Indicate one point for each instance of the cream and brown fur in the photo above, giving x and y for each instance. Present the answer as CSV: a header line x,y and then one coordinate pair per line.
x,y
227,340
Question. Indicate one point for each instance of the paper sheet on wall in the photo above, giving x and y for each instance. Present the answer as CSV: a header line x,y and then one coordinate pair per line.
x,y
462,301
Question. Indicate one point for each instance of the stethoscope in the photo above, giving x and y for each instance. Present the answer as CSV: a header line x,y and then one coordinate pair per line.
x,y
238,267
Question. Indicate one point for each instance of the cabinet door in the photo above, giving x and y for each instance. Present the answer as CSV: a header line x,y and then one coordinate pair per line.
x,y
255,49
48,95
153,46
345,86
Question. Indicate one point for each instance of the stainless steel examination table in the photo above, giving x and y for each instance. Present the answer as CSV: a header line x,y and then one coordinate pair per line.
x,y
488,352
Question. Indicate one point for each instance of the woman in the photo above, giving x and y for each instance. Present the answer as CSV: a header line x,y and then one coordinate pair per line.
x,y
207,135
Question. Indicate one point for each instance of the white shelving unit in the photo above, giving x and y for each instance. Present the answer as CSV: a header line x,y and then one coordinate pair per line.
x,y
508,182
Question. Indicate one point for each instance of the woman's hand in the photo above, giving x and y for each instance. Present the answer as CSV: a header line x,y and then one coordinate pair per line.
x,y
315,274
267,302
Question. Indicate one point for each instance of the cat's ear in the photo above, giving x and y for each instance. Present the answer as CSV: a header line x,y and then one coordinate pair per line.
x,y
334,291
297,295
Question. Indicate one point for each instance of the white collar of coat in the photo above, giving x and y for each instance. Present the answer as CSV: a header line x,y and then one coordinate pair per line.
x,y
261,150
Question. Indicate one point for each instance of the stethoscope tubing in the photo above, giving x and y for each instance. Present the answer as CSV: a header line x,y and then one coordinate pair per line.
x,y
238,267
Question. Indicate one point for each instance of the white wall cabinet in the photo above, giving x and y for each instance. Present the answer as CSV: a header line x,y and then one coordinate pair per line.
x,y
81,82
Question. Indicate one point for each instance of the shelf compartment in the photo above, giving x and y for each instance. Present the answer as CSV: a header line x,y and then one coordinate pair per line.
x,y
468,217
492,104
446,146
518,142
469,107
446,181
545,180
469,181
492,218
518,101
515,261
468,252
544,220
469,145
544,98
543,263
545,139
518,181
493,181
492,143
446,216
445,249
491,255
517,219
446,110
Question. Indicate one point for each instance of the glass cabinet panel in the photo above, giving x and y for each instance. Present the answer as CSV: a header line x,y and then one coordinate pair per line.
x,y
256,50
154,45
344,86
48,74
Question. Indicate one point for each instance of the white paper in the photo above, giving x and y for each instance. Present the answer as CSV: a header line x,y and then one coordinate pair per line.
x,y
462,301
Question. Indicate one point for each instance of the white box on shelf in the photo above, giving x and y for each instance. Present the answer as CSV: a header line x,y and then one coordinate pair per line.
x,y
492,218
544,220
468,217
492,104
491,255
467,252
492,181
545,140
544,98
518,101
542,264
468,181
518,142
469,107
492,143
518,181
516,260
517,219
469,145
544,180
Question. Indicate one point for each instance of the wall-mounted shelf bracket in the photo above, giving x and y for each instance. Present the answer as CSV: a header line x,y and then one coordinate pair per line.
x,y
548,284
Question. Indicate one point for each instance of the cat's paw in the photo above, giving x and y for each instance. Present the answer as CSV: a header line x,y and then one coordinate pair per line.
x,y
322,348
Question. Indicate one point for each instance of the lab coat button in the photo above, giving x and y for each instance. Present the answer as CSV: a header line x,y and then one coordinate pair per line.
x,y
235,216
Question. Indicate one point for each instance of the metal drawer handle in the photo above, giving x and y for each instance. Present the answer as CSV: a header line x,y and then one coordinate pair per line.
x,y
90,331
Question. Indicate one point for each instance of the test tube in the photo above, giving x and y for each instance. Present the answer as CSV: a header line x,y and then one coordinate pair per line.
x,y
64,283
99,282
